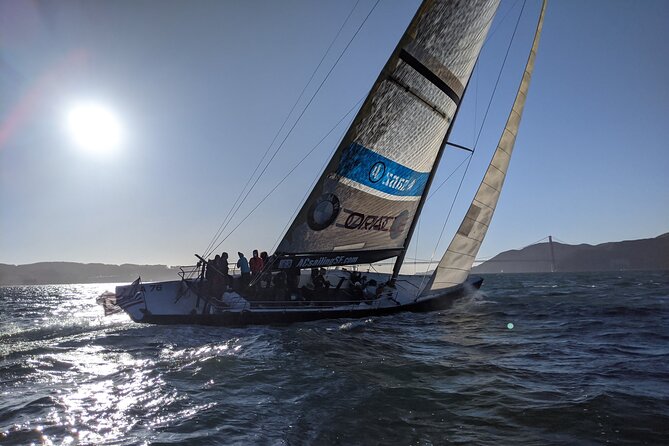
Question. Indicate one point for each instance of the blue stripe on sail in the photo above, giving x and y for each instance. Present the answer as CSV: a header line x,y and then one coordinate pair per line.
x,y
367,167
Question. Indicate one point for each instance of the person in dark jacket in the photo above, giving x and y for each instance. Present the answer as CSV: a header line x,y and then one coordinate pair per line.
x,y
245,269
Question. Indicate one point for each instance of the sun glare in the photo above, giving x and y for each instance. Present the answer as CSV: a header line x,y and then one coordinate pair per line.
x,y
94,127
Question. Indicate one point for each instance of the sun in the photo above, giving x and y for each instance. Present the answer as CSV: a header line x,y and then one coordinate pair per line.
x,y
94,127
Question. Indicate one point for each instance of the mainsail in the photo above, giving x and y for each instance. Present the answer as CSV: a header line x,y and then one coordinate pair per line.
x,y
363,205
458,259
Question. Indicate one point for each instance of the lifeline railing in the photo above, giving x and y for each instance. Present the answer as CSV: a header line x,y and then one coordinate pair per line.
x,y
196,271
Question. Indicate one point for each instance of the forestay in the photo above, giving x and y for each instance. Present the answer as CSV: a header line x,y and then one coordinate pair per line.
x,y
458,259
362,206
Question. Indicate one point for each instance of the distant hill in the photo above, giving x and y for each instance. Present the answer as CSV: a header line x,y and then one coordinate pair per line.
x,y
645,254
70,272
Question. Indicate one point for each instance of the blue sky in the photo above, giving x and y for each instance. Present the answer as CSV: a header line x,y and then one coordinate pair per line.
x,y
201,90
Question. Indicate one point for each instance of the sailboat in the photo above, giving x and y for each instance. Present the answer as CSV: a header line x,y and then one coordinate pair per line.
x,y
365,205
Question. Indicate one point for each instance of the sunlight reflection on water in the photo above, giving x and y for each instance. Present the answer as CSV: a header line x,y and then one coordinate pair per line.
x,y
70,376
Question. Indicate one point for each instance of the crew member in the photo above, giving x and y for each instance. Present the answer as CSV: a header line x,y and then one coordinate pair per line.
x,y
224,268
243,266
320,282
256,264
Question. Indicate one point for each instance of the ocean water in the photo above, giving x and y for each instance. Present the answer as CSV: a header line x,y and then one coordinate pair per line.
x,y
585,361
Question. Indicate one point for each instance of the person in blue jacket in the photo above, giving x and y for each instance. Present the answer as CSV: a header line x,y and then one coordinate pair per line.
x,y
243,266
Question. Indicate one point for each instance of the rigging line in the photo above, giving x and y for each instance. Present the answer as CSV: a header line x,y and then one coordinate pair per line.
x,y
224,225
221,228
377,271
485,116
457,192
303,111
476,100
449,212
297,209
313,97
287,175
499,76
318,175
477,68
313,183
433,192
499,23
230,215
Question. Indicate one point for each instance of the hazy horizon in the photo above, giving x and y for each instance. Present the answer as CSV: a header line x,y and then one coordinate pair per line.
x,y
478,261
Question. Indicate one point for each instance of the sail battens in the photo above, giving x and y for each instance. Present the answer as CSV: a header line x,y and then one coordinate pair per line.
x,y
458,269
454,266
490,185
498,169
482,223
480,203
461,253
429,75
507,140
521,101
418,96
475,239
415,50
468,227
375,183
500,149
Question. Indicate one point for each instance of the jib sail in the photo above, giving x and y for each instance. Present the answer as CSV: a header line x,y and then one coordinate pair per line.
x,y
363,205
458,259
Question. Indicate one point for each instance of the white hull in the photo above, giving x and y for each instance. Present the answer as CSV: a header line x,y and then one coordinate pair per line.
x,y
178,302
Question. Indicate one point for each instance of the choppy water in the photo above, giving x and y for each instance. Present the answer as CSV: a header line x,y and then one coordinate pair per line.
x,y
586,362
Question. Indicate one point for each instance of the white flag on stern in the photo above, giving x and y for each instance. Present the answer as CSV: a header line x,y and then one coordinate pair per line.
x,y
108,302
131,296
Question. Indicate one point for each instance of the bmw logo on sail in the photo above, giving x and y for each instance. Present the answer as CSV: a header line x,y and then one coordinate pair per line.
x,y
323,212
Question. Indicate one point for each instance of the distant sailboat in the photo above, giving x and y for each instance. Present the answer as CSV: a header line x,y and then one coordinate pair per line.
x,y
365,206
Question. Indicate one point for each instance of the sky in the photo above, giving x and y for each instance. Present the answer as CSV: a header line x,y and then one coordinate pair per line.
x,y
200,90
